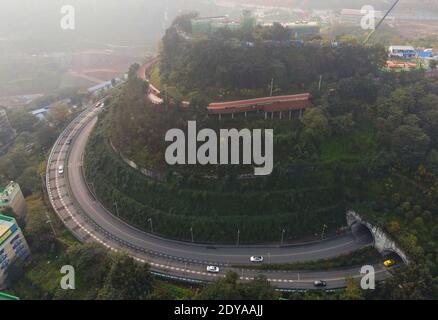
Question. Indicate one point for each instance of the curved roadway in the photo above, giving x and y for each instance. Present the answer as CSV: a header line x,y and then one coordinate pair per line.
x,y
89,221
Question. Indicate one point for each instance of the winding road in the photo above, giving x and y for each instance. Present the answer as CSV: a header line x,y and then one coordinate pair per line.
x,y
89,221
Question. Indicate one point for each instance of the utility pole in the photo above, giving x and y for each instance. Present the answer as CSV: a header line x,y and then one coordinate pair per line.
x,y
51,225
116,207
272,86
238,237
282,236
380,22
323,230
191,232
320,82
152,228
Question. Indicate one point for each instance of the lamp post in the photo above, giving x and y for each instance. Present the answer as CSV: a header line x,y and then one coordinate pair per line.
x,y
116,207
282,236
51,226
323,231
152,228
191,232
238,237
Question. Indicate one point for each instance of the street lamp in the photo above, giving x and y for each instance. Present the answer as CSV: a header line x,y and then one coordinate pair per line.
x,y
116,207
152,228
191,232
282,235
49,222
323,230
238,237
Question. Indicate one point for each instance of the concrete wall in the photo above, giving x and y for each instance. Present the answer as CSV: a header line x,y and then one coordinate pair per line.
x,y
382,242
18,204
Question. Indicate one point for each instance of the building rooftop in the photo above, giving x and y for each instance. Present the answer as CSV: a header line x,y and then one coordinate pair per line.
x,y
410,48
260,101
5,296
39,111
8,192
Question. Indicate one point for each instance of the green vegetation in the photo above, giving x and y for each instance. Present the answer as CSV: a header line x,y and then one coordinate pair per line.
x,y
367,145
229,288
241,63
24,161
204,204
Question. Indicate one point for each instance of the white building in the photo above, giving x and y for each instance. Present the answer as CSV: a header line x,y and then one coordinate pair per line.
x,y
405,52
12,197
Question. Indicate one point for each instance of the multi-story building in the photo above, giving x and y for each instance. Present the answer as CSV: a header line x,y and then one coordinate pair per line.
x,y
405,52
13,245
7,134
12,198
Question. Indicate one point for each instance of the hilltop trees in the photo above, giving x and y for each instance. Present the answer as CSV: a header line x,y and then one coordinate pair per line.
x,y
225,61
316,125
410,143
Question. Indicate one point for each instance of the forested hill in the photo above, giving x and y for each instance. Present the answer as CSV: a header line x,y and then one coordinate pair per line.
x,y
247,60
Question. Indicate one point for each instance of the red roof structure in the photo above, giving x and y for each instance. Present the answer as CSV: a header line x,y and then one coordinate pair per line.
x,y
266,104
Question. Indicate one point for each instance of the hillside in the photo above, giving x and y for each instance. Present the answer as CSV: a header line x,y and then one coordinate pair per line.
x,y
364,142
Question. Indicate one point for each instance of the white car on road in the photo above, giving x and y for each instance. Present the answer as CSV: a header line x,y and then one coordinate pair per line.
x,y
213,269
61,170
256,259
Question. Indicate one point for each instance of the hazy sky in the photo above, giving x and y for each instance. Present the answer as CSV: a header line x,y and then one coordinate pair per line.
x,y
126,22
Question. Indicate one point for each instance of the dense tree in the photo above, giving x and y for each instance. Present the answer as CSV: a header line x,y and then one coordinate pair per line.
x,y
38,228
21,120
222,289
316,124
410,144
92,262
413,282
352,291
58,115
229,288
126,280
194,65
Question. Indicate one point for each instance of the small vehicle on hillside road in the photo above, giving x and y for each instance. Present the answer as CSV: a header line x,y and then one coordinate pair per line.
x,y
213,269
389,263
320,284
256,259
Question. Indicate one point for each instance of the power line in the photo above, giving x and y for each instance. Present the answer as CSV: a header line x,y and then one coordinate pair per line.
x,y
381,21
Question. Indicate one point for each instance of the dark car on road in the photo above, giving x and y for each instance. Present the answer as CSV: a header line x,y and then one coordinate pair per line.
x,y
320,284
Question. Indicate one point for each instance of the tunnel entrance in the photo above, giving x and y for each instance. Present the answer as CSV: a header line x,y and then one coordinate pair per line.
x,y
361,233
392,255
